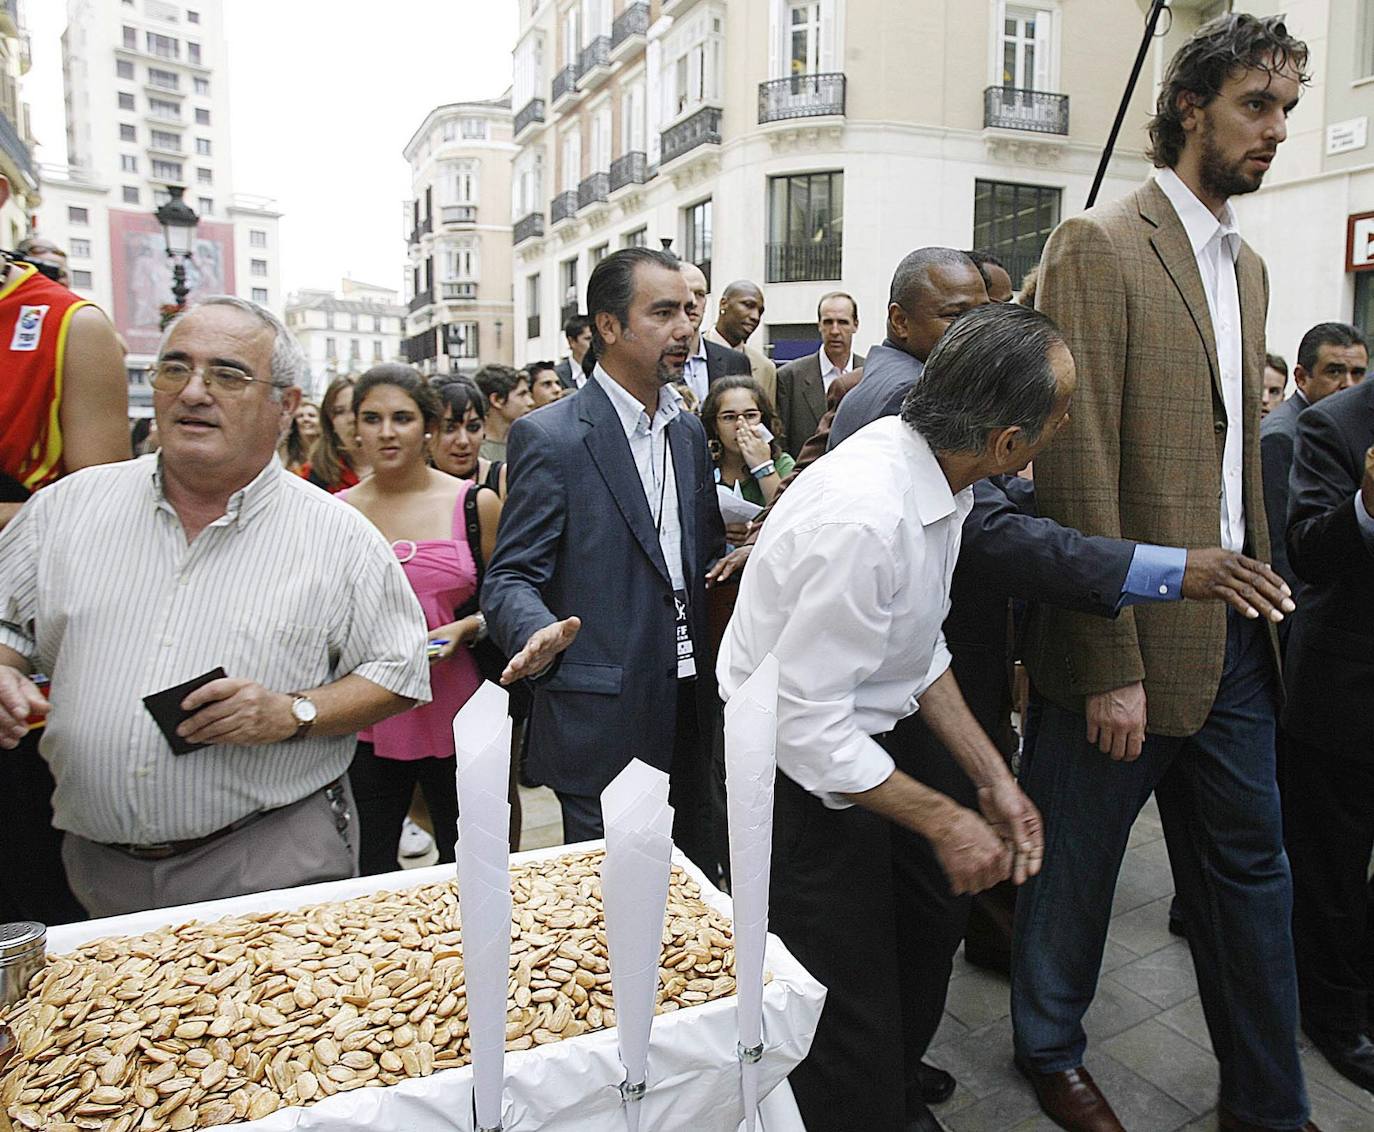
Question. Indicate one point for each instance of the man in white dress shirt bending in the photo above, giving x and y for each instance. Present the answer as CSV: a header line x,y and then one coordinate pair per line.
x,y
848,587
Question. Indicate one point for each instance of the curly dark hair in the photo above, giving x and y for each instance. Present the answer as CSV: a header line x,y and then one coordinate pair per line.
x,y
1214,53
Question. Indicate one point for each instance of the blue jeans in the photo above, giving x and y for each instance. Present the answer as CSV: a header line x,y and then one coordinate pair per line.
x,y
1219,803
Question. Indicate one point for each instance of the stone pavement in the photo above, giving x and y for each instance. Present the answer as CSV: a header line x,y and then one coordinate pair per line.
x,y
1147,1040
1148,1045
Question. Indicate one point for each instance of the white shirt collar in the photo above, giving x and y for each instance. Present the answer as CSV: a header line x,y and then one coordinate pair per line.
x,y
1197,219
828,367
700,351
934,500
634,418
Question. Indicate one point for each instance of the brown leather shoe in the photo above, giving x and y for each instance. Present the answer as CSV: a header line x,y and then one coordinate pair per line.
x,y
1072,1100
1228,1123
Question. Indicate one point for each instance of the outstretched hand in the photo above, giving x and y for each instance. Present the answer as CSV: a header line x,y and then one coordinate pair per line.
x,y
541,649
1247,585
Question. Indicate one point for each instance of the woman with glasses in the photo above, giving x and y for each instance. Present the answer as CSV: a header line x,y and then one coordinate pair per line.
x,y
739,420
423,513
336,462
457,442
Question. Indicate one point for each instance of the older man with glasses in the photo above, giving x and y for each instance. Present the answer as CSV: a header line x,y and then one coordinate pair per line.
x,y
275,620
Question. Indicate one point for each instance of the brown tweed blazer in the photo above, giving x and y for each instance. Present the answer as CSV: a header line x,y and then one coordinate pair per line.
x,y
1141,458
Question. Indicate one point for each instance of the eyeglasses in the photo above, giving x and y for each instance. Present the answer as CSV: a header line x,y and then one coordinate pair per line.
x,y
173,377
749,416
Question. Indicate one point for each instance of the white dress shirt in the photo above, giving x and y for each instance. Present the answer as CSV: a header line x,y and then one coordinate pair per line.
x,y
1216,244
848,587
695,373
830,371
99,588
654,461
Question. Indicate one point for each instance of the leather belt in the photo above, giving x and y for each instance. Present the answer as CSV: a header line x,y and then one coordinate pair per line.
x,y
163,850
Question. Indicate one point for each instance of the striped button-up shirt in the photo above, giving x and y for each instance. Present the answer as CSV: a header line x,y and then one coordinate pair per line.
x,y
99,588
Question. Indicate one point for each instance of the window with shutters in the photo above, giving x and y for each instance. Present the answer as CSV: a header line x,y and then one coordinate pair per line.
x,y
804,37
693,61
1024,53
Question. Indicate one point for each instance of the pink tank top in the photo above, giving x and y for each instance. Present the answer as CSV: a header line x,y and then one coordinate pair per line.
x,y
443,574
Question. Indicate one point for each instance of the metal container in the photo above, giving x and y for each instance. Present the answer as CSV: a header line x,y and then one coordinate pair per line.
x,y
23,948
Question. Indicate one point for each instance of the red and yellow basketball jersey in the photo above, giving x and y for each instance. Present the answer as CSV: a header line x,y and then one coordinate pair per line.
x,y
35,315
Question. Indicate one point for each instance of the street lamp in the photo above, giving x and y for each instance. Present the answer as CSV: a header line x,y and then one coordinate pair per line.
x,y
178,222
456,341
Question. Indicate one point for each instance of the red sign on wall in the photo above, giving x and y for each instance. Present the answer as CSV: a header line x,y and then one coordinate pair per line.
x,y
141,272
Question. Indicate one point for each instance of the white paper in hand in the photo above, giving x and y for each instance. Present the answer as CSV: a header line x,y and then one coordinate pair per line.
x,y
481,738
751,729
634,891
735,508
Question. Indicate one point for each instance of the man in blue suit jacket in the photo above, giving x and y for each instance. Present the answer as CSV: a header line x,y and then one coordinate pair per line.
x,y
596,589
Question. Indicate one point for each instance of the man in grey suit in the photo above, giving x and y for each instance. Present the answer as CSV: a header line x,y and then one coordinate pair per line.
x,y
803,384
597,586
1331,357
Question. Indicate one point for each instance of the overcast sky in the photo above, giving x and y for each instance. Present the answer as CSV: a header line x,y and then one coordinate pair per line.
x,y
323,97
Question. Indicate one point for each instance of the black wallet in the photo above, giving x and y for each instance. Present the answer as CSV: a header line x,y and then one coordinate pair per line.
x,y
165,708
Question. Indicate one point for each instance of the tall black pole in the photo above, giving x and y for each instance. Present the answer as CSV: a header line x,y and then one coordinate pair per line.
x,y
1151,21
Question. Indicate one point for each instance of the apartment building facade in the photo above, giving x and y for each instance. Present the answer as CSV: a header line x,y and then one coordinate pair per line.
x,y
345,331
806,144
457,228
147,108
16,142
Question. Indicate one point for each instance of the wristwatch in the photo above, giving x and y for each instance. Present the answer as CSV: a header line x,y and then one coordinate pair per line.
x,y
304,711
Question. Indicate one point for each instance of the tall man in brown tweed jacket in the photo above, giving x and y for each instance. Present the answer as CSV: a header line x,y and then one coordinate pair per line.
x,y
1164,306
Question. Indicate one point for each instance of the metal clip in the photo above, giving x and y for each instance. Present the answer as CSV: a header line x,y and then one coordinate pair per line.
x,y
629,1092
750,1054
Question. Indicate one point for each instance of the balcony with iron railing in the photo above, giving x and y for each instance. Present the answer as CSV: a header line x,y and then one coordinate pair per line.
x,y
458,214
629,169
593,190
801,96
530,114
804,261
1037,111
629,29
421,300
528,228
594,62
17,150
422,229
458,289
564,85
532,326
567,311
702,128
563,207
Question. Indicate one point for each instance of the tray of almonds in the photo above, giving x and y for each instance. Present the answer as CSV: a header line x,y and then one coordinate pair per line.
x,y
216,1023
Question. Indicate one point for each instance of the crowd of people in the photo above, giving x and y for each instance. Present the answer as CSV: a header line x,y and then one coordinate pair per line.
x,y
258,632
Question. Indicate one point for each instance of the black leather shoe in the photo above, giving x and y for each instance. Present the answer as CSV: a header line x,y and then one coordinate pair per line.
x,y
937,1086
1352,1056
923,1121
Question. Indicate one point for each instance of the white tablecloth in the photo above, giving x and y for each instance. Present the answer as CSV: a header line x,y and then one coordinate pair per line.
x,y
567,1086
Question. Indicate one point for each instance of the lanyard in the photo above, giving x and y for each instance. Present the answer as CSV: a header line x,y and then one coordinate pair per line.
x,y
663,481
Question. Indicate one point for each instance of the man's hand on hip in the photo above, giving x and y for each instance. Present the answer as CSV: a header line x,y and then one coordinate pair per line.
x,y
1016,821
541,649
240,712
1116,720
19,699
1249,586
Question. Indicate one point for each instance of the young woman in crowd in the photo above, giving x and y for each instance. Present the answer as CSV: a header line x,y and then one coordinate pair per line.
x,y
734,413
336,462
300,438
457,442
421,511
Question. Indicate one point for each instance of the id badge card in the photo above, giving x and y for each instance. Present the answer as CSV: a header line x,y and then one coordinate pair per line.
x,y
686,661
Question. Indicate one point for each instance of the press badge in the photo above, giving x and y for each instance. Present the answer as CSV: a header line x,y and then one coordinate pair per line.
x,y
28,329
686,662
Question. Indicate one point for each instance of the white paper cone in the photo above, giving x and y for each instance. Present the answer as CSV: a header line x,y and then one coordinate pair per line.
x,y
634,891
481,737
751,726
